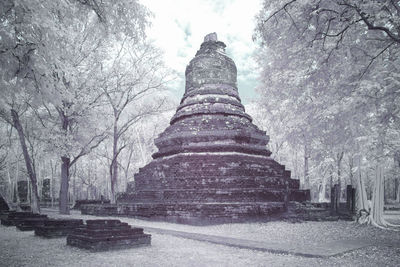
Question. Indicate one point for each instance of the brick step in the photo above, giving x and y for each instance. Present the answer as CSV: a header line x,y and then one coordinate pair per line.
x,y
106,232
99,209
62,222
15,218
30,224
101,235
109,244
57,227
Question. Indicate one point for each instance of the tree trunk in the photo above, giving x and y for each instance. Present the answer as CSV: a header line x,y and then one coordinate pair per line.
x,y
378,199
64,204
17,200
65,164
369,189
35,207
52,184
330,180
397,179
94,186
107,186
114,165
142,152
306,169
296,169
351,165
40,181
339,173
385,190
322,190
74,188
28,189
10,184
362,205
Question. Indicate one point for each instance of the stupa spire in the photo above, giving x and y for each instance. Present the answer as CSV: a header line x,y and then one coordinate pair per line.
x,y
211,37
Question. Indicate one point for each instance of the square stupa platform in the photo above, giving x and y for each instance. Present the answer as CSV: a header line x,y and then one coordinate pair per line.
x,y
102,235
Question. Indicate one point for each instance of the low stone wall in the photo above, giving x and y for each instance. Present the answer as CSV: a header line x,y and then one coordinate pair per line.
x,y
99,209
81,202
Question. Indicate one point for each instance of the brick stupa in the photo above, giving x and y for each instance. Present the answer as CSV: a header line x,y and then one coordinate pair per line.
x,y
212,163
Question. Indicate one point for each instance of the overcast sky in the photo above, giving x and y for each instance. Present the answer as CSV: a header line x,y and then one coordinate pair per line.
x,y
179,27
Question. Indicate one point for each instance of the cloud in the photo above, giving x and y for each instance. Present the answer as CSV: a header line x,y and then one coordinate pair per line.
x,y
179,28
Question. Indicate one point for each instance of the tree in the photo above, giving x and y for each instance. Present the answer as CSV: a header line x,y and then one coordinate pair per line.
x,y
373,213
134,75
330,70
64,63
15,62
52,49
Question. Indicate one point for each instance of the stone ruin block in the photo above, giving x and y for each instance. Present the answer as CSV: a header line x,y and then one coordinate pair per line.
x,y
57,227
299,195
3,205
102,235
23,188
10,218
46,190
29,224
4,208
4,214
99,209
81,202
16,218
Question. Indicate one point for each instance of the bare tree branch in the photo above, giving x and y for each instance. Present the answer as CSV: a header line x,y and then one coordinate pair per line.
x,y
279,10
87,148
377,55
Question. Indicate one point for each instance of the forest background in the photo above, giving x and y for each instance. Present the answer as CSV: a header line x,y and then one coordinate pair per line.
x,y
84,92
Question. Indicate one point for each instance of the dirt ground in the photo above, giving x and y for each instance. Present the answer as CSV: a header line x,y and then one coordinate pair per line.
x,y
25,249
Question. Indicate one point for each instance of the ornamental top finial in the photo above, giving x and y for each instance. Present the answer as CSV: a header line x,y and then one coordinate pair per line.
x,y
211,37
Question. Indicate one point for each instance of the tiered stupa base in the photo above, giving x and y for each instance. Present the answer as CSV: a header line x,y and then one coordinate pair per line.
x,y
211,188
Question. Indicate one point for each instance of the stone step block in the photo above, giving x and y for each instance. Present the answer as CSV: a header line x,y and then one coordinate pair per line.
x,y
104,223
14,218
30,223
102,235
100,209
4,214
57,227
